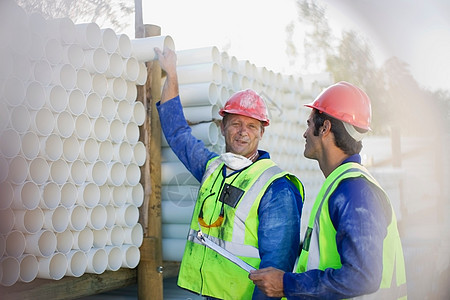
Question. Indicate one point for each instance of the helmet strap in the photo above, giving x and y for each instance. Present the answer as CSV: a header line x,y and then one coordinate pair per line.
x,y
355,134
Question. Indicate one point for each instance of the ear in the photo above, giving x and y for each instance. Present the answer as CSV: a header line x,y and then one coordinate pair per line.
x,y
222,128
326,128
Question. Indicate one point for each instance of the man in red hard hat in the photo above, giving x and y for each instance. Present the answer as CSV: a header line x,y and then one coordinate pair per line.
x,y
246,203
244,105
352,245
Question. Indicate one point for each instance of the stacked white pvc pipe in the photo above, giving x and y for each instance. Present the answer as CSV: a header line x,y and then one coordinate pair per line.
x,y
207,79
70,153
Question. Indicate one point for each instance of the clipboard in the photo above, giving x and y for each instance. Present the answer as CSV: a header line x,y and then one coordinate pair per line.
x,y
228,255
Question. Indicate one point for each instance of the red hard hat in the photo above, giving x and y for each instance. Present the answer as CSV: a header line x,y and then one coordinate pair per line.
x,y
247,103
345,102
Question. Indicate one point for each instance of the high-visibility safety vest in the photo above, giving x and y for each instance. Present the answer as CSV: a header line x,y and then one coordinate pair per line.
x,y
204,271
319,249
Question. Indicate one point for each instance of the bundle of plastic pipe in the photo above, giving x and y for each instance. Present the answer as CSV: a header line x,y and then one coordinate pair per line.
x,y
70,153
207,78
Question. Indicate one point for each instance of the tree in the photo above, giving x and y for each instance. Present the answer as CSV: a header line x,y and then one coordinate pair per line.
x,y
353,62
349,58
443,106
318,40
106,13
425,112
396,96
291,50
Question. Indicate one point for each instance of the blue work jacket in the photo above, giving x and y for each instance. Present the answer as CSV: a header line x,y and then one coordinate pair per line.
x,y
360,215
280,207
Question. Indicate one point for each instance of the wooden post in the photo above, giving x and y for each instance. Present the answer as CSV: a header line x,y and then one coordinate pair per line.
x,y
138,19
150,277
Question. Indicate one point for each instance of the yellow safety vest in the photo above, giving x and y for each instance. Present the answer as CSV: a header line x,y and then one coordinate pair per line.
x,y
319,246
206,272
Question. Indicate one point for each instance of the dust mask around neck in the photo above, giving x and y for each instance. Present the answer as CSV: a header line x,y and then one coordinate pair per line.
x,y
235,161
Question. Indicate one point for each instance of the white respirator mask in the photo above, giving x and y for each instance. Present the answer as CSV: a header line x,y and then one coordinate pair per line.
x,y
235,161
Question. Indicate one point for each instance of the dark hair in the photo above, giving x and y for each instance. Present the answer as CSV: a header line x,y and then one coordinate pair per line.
x,y
341,138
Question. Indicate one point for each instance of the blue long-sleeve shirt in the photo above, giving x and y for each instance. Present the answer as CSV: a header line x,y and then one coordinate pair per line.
x,y
360,215
280,207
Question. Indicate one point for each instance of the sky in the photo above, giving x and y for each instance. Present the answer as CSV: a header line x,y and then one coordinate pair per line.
x,y
416,31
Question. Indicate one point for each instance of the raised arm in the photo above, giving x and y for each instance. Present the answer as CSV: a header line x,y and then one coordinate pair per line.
x,y
168,62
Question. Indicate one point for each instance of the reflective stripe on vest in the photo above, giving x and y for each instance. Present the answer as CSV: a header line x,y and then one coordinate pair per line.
x,y
211,167
243,209
236,246
314,259
246,203
236,249
393,283
204,271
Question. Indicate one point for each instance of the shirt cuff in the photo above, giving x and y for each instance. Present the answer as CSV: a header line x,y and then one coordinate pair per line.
x,y
158,104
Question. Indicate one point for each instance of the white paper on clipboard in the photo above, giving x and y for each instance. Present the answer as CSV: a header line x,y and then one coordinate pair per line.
x,y
228,255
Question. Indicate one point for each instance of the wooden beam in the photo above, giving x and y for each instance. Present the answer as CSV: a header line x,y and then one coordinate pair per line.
x,y
171,268
69,287
150,276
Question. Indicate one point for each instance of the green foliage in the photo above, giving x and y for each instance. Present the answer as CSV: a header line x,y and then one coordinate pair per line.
x,y
353,62
397,99
291,50
106,13
318,37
